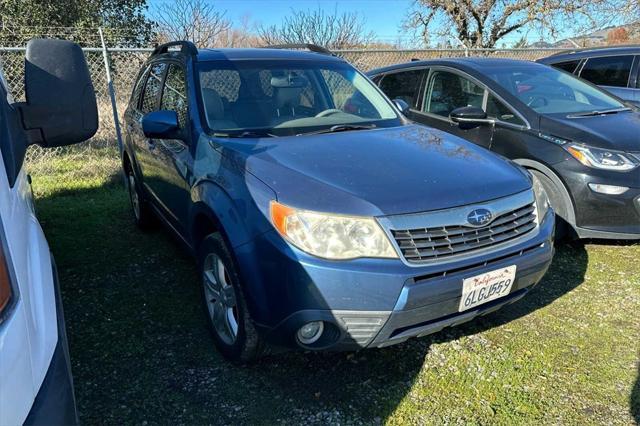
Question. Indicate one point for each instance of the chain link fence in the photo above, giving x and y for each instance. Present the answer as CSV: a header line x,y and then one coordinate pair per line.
x,y
125,64
367,60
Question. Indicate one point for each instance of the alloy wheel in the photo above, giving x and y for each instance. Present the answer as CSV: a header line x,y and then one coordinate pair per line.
x,y
220,299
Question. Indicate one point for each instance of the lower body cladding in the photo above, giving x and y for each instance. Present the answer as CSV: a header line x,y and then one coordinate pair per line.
x,y
375,303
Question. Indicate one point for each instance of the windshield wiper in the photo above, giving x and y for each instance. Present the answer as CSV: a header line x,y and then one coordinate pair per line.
x,y
340,128
596,112
246,134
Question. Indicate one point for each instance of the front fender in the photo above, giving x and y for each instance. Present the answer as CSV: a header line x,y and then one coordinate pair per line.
x,y
241,214
557,181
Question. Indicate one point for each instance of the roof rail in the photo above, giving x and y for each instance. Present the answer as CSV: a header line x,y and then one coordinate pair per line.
x,y
186,47
308,46
596,48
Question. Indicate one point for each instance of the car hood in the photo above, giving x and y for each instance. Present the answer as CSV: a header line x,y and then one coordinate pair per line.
x,y
619,131
379,172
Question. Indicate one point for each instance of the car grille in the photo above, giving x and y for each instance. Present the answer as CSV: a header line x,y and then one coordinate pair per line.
x,y
422,244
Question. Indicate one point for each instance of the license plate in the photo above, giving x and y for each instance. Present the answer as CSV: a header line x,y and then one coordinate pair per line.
x,y
486,287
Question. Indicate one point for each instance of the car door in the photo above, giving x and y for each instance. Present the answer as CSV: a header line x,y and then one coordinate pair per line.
x,y
172,156
405,84
447,89
144,147
612,73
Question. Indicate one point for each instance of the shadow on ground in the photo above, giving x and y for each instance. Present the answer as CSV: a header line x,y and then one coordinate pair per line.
x,y
141,351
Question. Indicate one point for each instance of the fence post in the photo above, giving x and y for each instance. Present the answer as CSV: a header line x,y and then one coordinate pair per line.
x,y
112,92
464,46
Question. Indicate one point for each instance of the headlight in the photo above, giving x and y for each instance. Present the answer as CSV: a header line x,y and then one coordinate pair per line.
x,y
602,158
331,236
542,200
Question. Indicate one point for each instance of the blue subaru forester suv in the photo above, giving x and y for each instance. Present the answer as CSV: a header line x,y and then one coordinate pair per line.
x,y
321,218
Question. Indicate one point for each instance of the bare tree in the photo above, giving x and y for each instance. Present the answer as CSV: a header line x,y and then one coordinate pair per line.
x,y
240,35
332,30
195,20
482,23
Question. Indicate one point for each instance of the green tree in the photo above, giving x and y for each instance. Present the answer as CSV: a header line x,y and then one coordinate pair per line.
x,y
124,21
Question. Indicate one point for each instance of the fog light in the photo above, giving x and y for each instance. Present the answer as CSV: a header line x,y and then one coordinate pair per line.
x,y
608,189
310,332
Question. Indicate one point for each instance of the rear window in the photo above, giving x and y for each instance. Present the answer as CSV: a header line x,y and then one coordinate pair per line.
x,y
608,70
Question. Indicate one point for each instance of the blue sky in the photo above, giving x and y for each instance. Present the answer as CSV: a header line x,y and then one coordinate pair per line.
x,y
383,17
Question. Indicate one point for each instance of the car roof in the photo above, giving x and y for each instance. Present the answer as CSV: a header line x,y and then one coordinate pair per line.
x,y
236,54
593,51
479,64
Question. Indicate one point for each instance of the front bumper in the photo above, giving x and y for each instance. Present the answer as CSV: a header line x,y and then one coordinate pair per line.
x,y
374,302
601,215
55,402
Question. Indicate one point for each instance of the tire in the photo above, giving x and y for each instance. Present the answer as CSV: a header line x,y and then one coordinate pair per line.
x,y
230,323
560,206
142,213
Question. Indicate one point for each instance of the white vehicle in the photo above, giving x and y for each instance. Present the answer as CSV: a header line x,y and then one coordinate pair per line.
x,y
36,386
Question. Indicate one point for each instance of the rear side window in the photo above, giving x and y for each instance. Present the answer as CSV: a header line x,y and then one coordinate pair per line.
x,y
152,88
174,94
404,85
568,66
608,70
137,90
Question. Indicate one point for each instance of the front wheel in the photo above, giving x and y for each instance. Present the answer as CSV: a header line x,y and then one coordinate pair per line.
x,y
230,323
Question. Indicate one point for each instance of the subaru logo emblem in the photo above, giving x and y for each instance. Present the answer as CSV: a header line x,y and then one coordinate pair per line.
x,y
479,217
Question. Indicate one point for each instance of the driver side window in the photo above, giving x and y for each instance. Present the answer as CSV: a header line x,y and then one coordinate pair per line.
x,y
447,91
498,110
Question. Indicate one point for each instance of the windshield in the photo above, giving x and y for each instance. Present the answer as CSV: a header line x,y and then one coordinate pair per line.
x,y
278,97
549,91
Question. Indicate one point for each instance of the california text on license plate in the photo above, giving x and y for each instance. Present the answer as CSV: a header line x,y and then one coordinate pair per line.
x,y
486,287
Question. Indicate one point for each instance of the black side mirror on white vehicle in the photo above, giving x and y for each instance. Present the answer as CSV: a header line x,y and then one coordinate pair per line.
x,y
60,107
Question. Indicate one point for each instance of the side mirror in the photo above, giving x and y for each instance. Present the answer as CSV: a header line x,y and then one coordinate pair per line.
x,y
469,117
161,125
402,105
60,107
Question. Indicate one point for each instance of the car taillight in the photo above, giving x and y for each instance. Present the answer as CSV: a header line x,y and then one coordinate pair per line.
x,y
5,283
